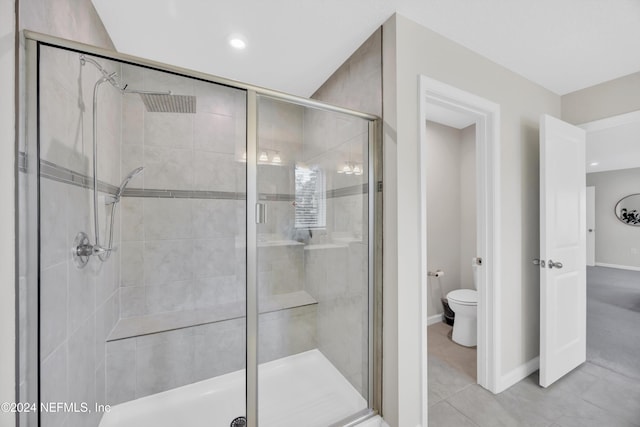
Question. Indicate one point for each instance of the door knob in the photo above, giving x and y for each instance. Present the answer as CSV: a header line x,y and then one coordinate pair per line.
x,y
538,261
554,264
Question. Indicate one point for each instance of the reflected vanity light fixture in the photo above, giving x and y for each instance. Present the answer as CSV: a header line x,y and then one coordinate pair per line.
x,y
594,164
346,169
265,157
276,158
351,169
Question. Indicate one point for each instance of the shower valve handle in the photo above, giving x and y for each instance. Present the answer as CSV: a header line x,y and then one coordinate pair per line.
x,y
84,248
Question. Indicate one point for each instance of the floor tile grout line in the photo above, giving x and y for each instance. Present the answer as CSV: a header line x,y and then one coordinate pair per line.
x,y
459,412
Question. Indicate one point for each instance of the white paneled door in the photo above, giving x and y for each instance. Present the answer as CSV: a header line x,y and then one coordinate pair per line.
x,y
563,290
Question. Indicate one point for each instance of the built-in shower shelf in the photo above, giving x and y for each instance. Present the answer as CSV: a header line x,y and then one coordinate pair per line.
x,y
272,243
323,246
151,324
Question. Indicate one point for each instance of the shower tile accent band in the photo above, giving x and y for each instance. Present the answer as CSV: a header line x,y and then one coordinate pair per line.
x,y
182,194
58,173
348,191
198,194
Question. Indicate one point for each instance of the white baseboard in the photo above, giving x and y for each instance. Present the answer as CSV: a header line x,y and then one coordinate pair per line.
x,y
432,320
518,374
622,267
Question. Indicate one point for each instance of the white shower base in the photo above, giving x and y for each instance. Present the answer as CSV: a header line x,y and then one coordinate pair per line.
x,y
303,389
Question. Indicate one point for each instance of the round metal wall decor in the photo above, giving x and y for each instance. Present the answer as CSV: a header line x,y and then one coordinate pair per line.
x,y
627,210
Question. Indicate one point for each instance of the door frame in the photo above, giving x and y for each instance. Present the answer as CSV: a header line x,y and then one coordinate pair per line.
x,y
605,123
487,119
591,214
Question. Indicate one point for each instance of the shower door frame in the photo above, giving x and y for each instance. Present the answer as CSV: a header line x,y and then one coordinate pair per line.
x,y
29,134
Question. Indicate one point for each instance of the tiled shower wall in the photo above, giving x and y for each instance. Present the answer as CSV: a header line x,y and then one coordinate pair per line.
x,y
183,250
156,282
183,253
74,20
187,253
336,262
144,365
356,84
78,307
334,259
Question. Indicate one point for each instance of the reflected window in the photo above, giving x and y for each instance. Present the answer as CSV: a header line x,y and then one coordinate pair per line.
x,y
311,206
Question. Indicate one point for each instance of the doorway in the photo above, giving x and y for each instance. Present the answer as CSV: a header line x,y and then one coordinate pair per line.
x,y
441,102
613,171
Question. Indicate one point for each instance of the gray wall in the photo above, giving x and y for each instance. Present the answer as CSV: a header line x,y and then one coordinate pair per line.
x,y
451,215
69,19
617,244
604,100
357,84
415,50
468,212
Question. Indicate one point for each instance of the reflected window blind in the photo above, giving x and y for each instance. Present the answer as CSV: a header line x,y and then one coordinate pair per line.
x,y
310,198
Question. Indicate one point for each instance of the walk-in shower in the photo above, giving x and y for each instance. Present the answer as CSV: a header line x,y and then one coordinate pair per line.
x,y
244,281
154,101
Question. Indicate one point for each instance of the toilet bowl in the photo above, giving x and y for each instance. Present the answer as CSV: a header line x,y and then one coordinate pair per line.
x,y
464,303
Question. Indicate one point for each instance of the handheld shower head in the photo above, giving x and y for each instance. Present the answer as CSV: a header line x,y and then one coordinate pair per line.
x,y
125,181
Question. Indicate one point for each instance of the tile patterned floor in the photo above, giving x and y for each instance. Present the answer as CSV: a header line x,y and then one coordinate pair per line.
x,y
603,392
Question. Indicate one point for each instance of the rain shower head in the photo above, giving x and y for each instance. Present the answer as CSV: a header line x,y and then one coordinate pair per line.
x,y
165,102
168,103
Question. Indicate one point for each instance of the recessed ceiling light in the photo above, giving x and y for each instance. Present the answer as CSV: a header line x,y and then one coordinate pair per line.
x,y
237,42
594,163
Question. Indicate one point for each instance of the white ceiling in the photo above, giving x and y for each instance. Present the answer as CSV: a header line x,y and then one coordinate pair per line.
x,y
613,143
447,116
294,45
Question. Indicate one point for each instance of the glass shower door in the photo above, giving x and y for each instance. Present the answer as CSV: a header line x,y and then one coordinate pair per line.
x,y
312,265
155,333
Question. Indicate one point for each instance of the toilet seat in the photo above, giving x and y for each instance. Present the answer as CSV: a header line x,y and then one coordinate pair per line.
x,y
464,296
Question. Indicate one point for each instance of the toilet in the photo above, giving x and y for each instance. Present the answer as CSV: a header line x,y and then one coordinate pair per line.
x,y
464,303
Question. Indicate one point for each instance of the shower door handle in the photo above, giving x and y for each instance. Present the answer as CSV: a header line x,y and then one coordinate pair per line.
x,y
261,213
